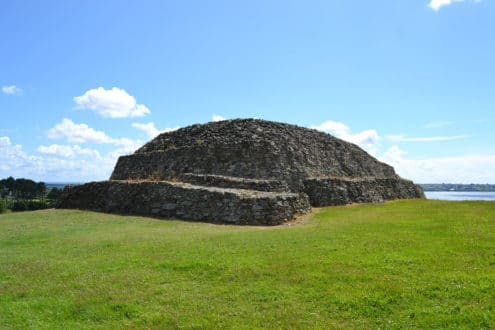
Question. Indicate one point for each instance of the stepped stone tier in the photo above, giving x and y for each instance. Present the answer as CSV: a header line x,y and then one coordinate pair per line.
x,y
243,171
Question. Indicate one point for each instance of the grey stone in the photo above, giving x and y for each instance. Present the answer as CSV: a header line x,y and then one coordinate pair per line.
x,y
169,206
241,171
236,204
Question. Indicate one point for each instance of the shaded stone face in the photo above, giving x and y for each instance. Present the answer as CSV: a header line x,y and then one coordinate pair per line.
x,y
237,156
182,200
250,149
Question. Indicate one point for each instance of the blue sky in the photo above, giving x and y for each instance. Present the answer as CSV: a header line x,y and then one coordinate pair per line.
x,y
83,82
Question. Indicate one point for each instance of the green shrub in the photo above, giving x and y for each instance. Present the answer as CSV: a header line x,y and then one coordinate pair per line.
x,y
30,205
20,206
3,206
34,205
54,194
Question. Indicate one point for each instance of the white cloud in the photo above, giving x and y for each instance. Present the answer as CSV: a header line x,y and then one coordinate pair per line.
x,y
166,130
82,133
333,127
150,129
401,138
438,124
72,163
12,90
367,139
78,169
437,4
14,159
77,133
218,118
68,151
68,163
81,168
459,169
127,144
111,103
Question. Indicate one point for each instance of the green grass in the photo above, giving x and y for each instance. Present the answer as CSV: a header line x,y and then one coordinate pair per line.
x,y
423,264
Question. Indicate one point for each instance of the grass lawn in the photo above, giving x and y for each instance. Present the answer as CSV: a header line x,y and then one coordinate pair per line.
x,y
425,264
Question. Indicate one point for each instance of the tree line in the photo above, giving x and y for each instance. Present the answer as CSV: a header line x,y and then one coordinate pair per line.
x,y
24,194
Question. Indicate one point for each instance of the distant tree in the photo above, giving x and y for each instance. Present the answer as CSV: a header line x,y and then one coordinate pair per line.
x,y
3,206
54,194
3,189
22,188
25,194
26,189
8,186
41,190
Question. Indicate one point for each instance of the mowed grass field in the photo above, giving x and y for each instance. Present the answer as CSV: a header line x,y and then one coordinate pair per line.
x,y
424,264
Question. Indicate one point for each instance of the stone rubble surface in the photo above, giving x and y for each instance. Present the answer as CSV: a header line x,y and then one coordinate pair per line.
x,y
243,171
186,201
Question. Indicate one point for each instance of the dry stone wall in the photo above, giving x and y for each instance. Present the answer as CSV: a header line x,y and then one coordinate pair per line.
x,y
241,171
186,201
249,148
341,191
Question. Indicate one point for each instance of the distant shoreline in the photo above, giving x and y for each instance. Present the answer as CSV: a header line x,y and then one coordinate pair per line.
x,y
60,185
461,195
458,187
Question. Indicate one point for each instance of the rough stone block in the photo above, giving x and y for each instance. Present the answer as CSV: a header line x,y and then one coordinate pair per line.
x,y
235,206
243,171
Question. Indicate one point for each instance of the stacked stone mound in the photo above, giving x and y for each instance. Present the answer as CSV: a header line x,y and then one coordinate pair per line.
x,y
243,171
186,201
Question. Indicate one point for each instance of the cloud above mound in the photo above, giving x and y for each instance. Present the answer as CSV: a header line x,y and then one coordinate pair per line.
x,y
82,133
77,133
218,118
12,90
458,169
68,151
58,162
70,161
401,138
13,158
437,4
150,129
111,103
367,139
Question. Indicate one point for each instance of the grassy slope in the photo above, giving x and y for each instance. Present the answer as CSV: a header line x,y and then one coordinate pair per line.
x,y
401,264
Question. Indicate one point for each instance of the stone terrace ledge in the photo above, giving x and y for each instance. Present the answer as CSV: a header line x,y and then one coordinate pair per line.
x,y
187,201
241,171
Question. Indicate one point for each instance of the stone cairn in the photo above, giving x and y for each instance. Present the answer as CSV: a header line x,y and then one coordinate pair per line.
x,y
243,171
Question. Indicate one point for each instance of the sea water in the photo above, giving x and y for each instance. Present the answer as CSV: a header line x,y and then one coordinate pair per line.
x,y
461,195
